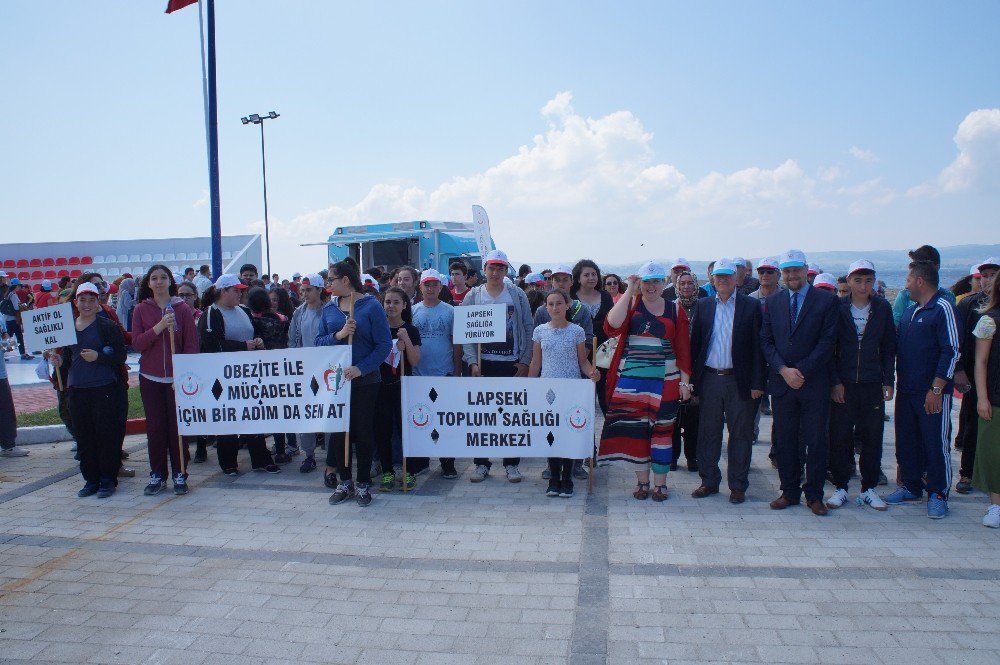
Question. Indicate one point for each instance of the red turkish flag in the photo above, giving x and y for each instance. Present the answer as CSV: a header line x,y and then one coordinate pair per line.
x,y
174,5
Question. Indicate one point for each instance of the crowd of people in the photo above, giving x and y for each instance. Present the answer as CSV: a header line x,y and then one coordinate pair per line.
x,y
678,363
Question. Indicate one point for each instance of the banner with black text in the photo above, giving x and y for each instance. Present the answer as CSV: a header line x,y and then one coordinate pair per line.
x,y
263,392
497,417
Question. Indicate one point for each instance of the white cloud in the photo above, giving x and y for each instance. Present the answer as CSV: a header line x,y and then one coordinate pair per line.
x,y
978,161
203,201
863,155
594,187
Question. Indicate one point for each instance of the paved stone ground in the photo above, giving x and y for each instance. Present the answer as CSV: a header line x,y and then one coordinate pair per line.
x,y
260,569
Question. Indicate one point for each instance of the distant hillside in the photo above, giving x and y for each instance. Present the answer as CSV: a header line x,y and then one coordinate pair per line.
x,y
890,263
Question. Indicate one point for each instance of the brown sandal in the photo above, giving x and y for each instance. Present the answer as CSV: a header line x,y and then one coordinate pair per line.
x,y
641,491
660,493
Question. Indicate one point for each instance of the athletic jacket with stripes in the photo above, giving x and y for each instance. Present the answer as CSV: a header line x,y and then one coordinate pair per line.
x,y
927,346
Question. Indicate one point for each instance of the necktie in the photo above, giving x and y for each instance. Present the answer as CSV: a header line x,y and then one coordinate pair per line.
x,y
795,306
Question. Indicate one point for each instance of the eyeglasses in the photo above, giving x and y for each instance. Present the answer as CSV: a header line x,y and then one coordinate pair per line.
x,y
766,271
611,282
188,295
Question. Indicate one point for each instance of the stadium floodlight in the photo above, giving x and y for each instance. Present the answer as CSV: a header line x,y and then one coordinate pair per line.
x,y
257,119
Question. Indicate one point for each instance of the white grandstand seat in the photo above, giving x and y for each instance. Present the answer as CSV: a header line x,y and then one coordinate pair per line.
x,y
227,255
181,256
122,258
111,272
147,258
98,259
157,257
169,257
134,258
203,255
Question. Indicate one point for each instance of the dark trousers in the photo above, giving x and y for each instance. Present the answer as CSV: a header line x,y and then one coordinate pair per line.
x,y
719,397
861,414
363,399
283,440
62,399
96,415
561,469
686,432
968,432
161,426
228,448
14,328
8,417
388,420
801,420
497,368
923,444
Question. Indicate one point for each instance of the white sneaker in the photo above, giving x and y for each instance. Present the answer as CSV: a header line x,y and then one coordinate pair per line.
x,y
992,517
837,499
479,475
73,447
14,452
871,498
513,473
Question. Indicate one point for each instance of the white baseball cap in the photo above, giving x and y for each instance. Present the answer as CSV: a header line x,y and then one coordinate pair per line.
x,y
680,263
825,280
495,256
87,287
562,269
314,279
651,270
768,262
974,271
724,266
861,265
993,261
739,261
227,280
534,278
430,275
814,269
368,280
3,274
792,258
296,275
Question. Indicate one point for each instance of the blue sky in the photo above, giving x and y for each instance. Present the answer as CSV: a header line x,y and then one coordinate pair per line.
x,y
699,129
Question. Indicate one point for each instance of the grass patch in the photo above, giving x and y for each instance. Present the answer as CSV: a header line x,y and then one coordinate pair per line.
x,y
51,416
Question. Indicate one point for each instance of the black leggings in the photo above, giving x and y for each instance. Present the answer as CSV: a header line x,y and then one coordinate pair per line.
x,y
363,400
98,421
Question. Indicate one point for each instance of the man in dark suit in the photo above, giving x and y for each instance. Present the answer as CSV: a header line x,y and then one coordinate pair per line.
x,y
798,334
728,377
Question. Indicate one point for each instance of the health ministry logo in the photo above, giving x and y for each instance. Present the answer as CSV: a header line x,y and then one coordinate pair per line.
x,y
579,417
189,384
420,416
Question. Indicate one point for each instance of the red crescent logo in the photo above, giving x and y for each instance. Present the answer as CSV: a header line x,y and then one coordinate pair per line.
x,y
418,423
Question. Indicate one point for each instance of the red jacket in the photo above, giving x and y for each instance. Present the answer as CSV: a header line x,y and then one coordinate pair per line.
x,y
155,359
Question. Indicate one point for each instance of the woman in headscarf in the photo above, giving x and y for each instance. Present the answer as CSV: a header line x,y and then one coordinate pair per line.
x,y
126,302
649,375
686,428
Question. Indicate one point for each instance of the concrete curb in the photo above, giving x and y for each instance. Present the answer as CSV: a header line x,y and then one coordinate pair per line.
x,y
29,436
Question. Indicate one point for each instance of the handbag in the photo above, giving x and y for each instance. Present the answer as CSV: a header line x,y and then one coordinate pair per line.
x,y
605,353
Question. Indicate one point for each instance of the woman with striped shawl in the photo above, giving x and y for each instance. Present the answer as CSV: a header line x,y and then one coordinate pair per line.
x,y
648,377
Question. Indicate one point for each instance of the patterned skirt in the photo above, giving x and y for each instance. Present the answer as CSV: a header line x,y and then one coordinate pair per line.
x,y
639,424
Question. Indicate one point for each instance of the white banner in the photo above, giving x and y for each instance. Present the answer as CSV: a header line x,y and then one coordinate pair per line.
x,y
263,392
497,417
478,324
481,229
49,328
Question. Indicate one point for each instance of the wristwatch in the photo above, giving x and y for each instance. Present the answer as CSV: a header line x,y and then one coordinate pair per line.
x,y
936,390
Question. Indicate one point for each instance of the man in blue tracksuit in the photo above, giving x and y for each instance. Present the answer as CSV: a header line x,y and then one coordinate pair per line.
x,y
927,351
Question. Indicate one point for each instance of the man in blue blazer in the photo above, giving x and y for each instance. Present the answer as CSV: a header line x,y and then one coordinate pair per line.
x,y
798,334
728,378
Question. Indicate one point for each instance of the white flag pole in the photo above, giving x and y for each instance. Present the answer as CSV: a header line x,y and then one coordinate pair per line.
x,y
204,79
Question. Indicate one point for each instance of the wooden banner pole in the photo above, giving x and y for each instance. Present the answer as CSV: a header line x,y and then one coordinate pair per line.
x,y
347,434
402,373
593,452
180,437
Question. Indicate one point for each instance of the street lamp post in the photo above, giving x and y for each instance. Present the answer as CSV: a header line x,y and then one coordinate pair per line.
x,y
256,119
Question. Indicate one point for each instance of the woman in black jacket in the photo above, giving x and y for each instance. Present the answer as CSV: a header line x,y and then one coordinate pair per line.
x,y
227,326
93,381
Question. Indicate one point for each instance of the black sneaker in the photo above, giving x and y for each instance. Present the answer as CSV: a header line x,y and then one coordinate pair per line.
x,y
89,489
553,489
282,458
448,471
180,484
565,489
272,468
344,491
155,485
231,471
200,455
363,495
579,470
106,489
330,480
